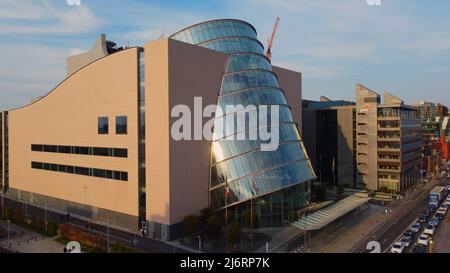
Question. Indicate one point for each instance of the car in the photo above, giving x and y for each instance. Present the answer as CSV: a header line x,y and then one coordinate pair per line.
x,y
415,228
419,249
429,230
425,213
409,234
443,208
440,216
422,219
447,202
423,240
431,209
434,221
398,247
406,241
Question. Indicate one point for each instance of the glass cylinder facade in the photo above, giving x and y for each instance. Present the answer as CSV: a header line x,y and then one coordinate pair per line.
x,y
275,183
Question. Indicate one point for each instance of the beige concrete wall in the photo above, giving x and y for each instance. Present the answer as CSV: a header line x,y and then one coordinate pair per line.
x,y
97,51
291,83
345,145
368,160
177,171
194,72
68,116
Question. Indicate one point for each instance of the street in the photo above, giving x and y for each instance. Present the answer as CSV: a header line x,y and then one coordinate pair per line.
x,y
397,223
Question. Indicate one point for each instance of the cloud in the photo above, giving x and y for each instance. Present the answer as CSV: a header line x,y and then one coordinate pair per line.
x,y
29,71
437,69
46,18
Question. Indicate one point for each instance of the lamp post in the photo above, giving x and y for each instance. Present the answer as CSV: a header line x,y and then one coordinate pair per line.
x,y
3,205
9,233
199,244
431,246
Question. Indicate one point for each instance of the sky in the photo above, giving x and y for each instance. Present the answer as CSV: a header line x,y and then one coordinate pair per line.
x,y
400,46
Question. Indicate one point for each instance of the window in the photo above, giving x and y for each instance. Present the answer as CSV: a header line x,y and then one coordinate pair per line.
x,y
120,152
37,148
101,151
103,125
121,125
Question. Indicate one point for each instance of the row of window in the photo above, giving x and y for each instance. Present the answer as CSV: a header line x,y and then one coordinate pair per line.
x,y
98,151
108,174
121,125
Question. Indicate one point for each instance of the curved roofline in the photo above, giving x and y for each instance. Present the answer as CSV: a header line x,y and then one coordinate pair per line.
x,y
67,78
215,20
230,37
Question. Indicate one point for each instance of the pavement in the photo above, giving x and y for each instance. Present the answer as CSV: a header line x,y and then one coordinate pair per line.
x,y
116,234
26,241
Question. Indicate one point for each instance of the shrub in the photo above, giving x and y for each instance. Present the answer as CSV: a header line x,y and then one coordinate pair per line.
x,y
234,234
248,221
190,224
207,213
213,228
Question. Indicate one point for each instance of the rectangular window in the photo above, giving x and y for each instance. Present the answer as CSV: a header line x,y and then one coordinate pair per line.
x,y
64,149
109,174
81,171
103,127
37,148
121,125
120,152
101,151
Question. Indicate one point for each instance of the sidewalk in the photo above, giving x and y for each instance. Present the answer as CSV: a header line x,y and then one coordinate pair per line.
x,y
27,241
346,243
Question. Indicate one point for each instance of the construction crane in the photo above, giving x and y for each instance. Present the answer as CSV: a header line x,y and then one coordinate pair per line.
x,y
269,46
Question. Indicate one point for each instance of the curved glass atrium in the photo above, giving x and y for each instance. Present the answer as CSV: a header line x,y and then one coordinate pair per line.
x,y
275,184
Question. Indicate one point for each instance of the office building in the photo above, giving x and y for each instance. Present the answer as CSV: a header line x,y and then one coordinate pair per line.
x,y
99,145
389,142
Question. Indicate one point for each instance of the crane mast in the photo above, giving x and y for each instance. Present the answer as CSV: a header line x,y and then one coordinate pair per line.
x,y
272,38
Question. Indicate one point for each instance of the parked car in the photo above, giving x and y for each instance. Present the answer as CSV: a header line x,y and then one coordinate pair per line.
x,y
429,230
434,221
422,219
425,213
423,239
415,228
398,247
406,241
409,233
448,201
419,249
443,209
440,216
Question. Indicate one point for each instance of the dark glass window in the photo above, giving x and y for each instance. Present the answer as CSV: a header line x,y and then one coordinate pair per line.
x,y
37,148
120,152
109,174
81,171
64,149
99,173
69,169
36,165
101,151
50,148
103,125
121,125
81,150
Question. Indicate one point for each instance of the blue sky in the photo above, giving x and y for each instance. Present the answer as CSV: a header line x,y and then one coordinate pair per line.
x,y
402,46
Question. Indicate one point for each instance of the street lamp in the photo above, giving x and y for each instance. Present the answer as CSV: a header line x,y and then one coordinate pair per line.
x,y
9,232
431,246
199,244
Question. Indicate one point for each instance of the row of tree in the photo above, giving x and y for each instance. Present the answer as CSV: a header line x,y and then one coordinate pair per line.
x,y
211,224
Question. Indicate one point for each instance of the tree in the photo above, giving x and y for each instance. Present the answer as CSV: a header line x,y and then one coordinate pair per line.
x,y
213,228
190,224
234,234
247,215
207,213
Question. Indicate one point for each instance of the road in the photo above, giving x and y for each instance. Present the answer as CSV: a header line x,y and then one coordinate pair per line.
x,y
397,223
144,244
